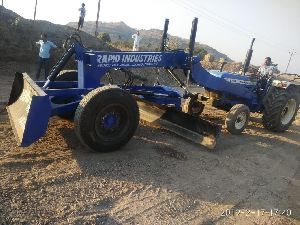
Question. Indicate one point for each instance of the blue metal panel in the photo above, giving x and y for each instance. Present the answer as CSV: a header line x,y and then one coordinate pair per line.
x,y
79,52
158,90
231,100
88,76
162,95
28,109
167,101
59,84
37,120
235,84
136,59
65,92
59,109
93,65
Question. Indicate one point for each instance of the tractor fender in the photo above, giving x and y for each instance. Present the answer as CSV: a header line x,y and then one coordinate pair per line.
x,y
290,86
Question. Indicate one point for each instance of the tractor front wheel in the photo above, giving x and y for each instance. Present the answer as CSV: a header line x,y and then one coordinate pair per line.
x,y
106,118
280,109
237,119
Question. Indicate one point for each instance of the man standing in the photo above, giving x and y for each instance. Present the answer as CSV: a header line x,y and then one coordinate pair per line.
x,y
44,55
136,43
81,16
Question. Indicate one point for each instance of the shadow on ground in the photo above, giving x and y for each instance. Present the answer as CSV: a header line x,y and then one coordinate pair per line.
x,y
156,175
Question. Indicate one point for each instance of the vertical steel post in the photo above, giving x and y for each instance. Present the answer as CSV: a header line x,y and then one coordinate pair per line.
x,y
191,48
193,37
248,57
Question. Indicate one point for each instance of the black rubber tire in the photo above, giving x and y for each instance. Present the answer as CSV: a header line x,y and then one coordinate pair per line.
x,y
234,115
90,113
67,75
274,104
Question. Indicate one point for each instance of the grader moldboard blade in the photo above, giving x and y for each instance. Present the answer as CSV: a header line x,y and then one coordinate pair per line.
x,y
29,109
192,128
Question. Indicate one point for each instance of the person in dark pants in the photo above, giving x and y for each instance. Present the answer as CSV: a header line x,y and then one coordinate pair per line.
x,y
81,16
44,55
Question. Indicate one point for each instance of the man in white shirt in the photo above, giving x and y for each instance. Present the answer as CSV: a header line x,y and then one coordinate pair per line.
x,y
44,55
136,43
81,16
267,69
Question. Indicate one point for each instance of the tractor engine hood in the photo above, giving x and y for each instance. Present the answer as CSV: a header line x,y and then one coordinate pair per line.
x,y
224,82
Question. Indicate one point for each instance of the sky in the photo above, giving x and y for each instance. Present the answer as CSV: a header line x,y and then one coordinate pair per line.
x,y
227,26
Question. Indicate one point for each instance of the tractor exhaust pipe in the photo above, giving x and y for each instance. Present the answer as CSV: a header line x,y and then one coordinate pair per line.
x,y
193,37
191,49
248,58
165,36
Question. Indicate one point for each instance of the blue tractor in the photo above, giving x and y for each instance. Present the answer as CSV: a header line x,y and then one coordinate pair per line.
x,y
106,116
239,94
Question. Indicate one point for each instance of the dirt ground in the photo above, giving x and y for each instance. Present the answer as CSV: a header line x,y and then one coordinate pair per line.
x,y
157,178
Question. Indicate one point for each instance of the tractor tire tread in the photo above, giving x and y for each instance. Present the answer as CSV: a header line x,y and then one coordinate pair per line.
x,y
88,101
273,106
231,116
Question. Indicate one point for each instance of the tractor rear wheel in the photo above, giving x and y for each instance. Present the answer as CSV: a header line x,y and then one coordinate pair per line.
x,y
106,118
280,109
237,119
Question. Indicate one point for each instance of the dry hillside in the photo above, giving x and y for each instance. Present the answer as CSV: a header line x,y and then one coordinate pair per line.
x,y
120,31
18,37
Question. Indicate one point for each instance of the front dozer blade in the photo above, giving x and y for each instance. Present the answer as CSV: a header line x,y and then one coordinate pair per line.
x,y
28,109
190,127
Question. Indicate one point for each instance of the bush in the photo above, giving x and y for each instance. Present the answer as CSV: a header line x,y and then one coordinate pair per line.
x,y
104,37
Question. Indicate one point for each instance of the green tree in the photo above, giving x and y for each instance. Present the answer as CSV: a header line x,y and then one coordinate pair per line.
x,y
104,37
